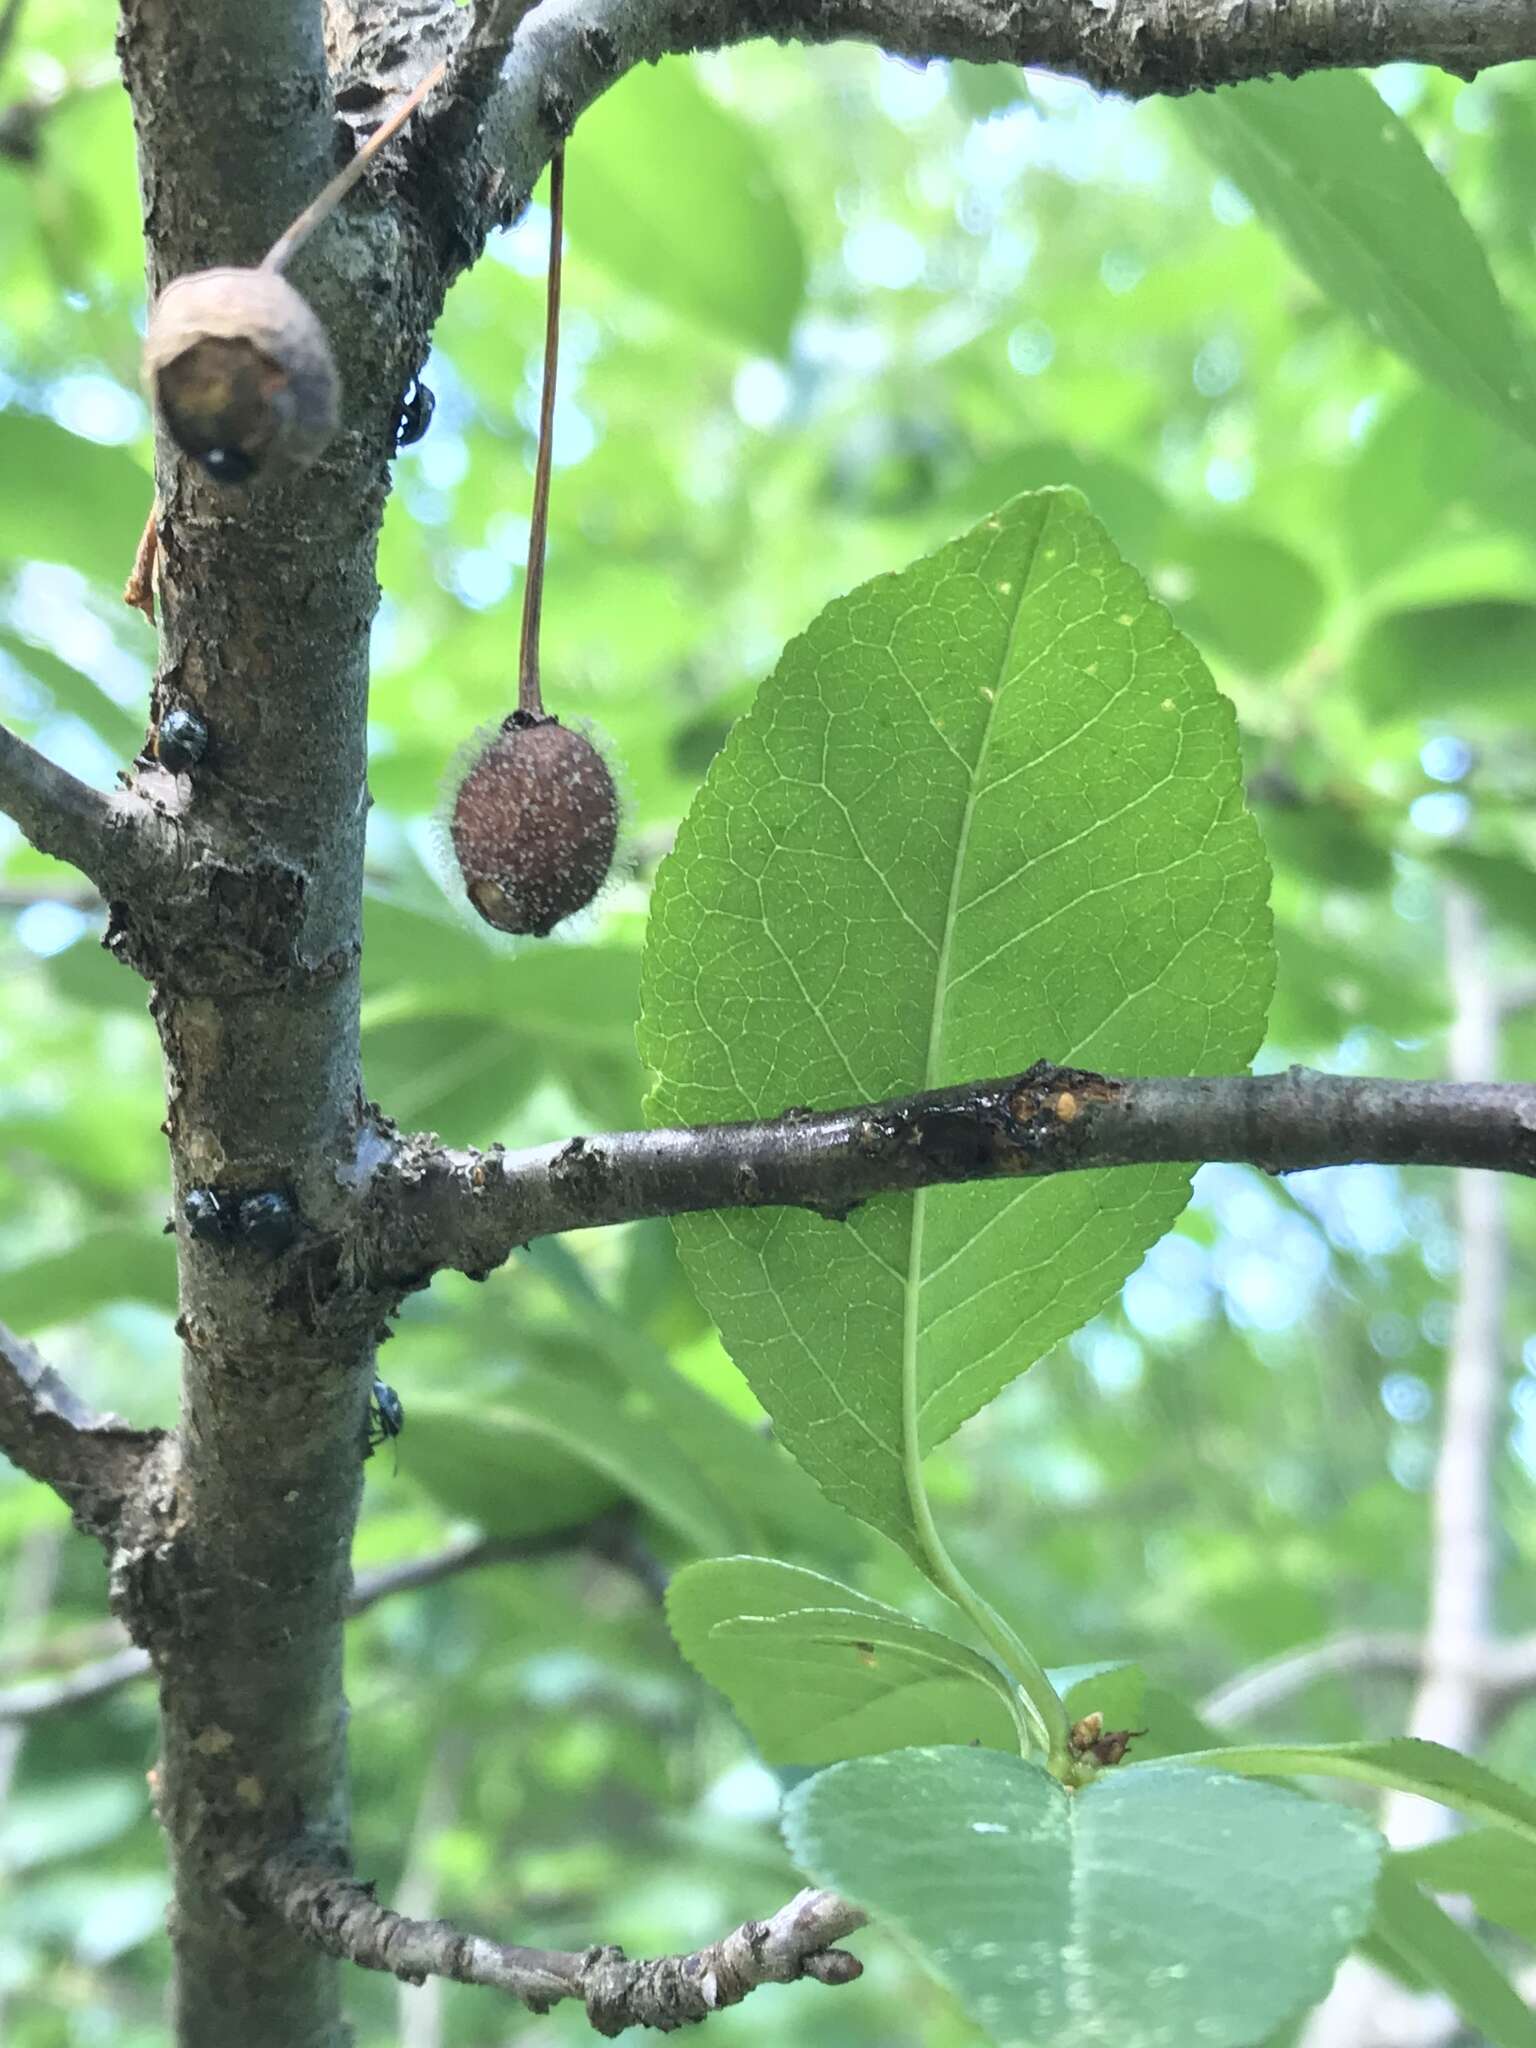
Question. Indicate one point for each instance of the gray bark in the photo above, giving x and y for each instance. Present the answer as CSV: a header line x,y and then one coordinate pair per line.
x,y
431,1207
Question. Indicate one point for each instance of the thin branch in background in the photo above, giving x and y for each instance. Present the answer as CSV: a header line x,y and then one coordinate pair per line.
x,y
344,1918
1451,1701
1503,1672
62,1652
1279,1679
38,1698
432,1207
93,1462
611,1536
34,1578
1449,1707
22,896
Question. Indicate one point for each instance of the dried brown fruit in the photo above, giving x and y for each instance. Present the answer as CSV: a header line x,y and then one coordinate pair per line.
x,y
534,825
241,373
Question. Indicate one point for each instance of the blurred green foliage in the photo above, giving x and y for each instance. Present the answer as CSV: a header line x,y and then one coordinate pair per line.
x,y
849,307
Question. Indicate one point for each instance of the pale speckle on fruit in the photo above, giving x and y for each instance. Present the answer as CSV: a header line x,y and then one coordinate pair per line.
x,y
534,826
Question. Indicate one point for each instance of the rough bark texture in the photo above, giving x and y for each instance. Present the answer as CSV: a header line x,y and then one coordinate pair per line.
x,y
253,956
665,1992
236,891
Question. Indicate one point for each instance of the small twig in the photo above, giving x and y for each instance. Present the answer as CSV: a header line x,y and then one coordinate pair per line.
x,y
93,1462
139,590
114,840
432,1207
343,1917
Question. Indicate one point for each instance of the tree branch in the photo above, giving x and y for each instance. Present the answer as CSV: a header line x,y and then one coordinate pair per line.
x,y
570,51
432,1207
110,839
93,1462
342,1917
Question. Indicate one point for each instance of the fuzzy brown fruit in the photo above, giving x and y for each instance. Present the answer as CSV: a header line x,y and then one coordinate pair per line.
x,y
241,373
534,825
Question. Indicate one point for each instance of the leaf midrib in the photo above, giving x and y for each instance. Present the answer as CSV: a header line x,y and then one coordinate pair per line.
x,y
912,1455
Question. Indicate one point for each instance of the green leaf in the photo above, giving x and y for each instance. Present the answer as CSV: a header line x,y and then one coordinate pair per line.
x,y
114,1264
1419,1936
981,90
1448,661
986,811
1250,599
1403,1764
1328,842
1495,1870
1423,463
542,1451
76,693
69,1819
88,504
1506,885
765,1490
457,1031
482,1460
1342,180
818,1671
677,198
1124,1913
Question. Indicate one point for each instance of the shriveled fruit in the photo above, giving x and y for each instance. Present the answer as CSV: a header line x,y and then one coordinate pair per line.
x,y
241,373
534,825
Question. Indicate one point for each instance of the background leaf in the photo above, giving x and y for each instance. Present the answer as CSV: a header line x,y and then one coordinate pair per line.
x,y
1495,1870
1343,180
539,1453
1416,1931
94,508
675,196
985,811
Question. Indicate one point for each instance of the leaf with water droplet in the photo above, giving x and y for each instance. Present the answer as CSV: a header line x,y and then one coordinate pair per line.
x,y
1128,1912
